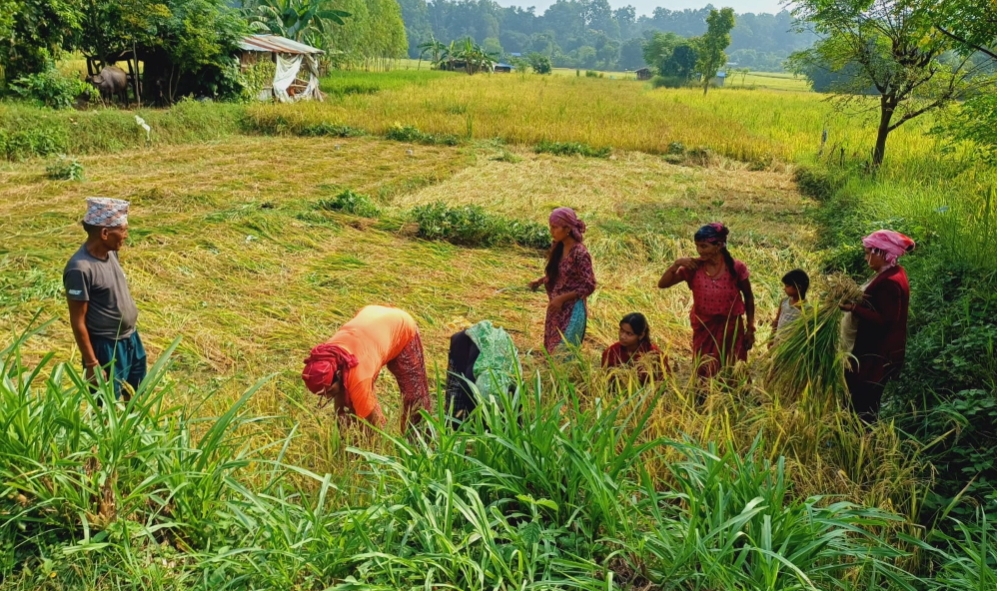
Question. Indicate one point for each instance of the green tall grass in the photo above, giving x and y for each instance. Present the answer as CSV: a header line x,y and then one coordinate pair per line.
x,y
544,488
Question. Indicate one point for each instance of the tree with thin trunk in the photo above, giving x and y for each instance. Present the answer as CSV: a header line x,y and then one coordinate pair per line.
x,y
711,46
891,49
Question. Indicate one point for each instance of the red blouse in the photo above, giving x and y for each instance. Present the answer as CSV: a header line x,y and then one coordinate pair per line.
x,y
717,296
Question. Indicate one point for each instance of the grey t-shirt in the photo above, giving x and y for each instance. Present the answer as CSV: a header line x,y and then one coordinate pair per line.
x,y
111,311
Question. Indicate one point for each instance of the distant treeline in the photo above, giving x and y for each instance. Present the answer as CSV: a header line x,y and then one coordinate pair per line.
x,y
590,34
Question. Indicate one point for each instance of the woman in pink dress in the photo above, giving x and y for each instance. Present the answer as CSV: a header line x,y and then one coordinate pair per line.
x,y
722,297
568,279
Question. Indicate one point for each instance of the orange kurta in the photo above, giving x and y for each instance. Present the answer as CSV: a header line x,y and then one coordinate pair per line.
x,y
375,336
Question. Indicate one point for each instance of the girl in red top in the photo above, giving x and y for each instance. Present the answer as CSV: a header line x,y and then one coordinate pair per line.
x,y
874,331
633,343
722,296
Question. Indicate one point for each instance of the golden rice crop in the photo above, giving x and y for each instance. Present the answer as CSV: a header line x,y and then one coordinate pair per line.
x,y
806,359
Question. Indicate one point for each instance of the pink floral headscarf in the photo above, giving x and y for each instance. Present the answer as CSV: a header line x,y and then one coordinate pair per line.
x,y
889,244
566,217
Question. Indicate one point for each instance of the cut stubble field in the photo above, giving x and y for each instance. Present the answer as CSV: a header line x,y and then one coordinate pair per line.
x,y
228,251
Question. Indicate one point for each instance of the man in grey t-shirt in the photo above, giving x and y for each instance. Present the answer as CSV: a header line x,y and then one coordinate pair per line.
x,y
102,312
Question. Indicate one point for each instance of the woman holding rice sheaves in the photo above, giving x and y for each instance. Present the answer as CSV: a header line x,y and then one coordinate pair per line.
x,y
722,295
874,330
568,279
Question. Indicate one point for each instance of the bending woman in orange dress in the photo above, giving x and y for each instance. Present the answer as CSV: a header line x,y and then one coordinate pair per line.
x,y
344,368
722,295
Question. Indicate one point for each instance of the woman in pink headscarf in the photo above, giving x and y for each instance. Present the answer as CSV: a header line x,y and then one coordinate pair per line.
x,y
874,331
568,279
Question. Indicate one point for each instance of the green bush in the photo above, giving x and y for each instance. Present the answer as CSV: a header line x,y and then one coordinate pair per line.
x,y
668,82
470,225
541,64
350,202
64,169
52,88
409,133
571,149
591,74
327,129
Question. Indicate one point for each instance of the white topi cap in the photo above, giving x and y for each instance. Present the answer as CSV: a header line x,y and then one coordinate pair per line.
x,y
105,212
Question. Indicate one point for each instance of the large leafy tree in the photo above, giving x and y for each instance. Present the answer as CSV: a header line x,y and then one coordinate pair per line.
x,y
711,46
893,46
35,32
672,56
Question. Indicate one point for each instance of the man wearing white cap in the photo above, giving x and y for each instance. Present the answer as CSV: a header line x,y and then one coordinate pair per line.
x,y
102,312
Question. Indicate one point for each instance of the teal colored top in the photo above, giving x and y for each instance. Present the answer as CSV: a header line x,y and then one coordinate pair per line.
x,y
498,364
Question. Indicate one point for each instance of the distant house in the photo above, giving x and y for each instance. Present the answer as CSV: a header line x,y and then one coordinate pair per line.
x,y
643,74
502,68
719,79
515,55
296,73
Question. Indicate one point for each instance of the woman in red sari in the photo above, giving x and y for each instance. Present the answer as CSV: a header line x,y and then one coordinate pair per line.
x,y
568,279
722,296
874,331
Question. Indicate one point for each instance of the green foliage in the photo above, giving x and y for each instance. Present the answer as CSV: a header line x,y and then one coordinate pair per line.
x,y
37,32
375,30
729,524
255,78
472,226
108,472
711,46
197,37
64,169
894,47
408,133
327,129
817,182
294,19
27,131
591,74
53,89
974,121
541,64
517,497
571,149
348,201
673,58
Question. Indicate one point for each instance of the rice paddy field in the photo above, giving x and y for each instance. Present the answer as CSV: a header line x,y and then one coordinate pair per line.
x,y
225,474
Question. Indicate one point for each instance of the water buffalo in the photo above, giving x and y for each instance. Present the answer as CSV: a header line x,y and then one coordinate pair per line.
x,y
111,81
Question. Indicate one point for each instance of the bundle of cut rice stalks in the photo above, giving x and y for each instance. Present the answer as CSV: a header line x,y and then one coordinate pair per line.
x,y
806,357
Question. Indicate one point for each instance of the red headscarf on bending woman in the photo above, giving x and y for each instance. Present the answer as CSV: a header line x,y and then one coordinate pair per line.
x,y
322,364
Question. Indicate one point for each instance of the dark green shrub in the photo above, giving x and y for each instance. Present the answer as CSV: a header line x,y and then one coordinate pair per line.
x,y
409,133
591,74
668,82
327,129
53,89
541,64
350,202
530,234
28,141
471,225
571,149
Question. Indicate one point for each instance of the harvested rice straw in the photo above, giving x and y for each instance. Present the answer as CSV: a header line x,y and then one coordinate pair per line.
x,y
806,358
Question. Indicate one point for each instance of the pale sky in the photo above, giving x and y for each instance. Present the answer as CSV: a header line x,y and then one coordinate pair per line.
x,y
646,6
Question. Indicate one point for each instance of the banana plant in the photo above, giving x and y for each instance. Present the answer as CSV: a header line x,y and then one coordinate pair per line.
x,y
294,19
435,48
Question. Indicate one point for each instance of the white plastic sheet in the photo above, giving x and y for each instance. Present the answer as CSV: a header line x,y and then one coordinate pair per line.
x,y
284,74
